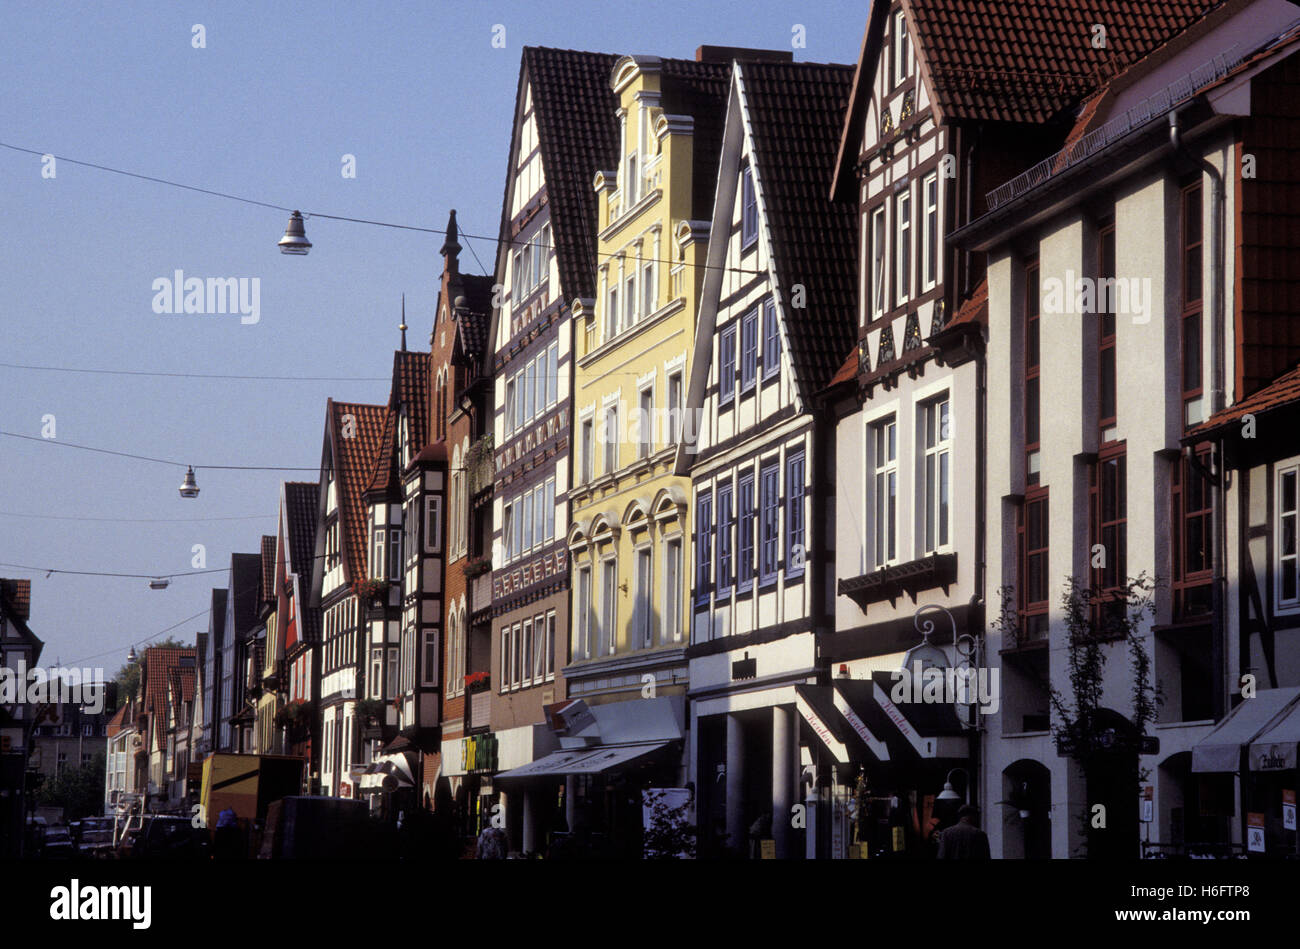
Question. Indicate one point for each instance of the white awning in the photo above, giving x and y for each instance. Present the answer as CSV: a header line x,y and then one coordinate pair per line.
x,y
1220,750
1275,749
596,760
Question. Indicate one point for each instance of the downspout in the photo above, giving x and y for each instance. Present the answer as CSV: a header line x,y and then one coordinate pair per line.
x,y
1217,372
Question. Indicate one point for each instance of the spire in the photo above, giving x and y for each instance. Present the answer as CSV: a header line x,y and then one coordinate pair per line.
x,y
451,247
402,325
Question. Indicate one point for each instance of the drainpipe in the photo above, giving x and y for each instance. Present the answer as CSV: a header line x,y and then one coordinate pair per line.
x,y
1217,397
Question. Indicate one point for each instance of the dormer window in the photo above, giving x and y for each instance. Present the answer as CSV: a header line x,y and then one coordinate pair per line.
x,y
749,209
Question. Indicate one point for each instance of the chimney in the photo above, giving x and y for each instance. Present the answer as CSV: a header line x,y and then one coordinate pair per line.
x,y
725,54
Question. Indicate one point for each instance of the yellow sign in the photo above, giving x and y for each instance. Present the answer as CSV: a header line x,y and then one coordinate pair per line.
x,y
767,849
898,839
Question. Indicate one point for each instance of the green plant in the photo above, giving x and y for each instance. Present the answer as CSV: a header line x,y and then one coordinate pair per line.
x,y
477,567
670,835
369,590
371,712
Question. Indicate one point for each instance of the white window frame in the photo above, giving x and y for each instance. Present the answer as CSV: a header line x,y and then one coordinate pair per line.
x,y
902,49
583,625
903,246
645,444
884,535
930,231
610,418
643,612
609,605
1281,563
936,447
672,605
880,261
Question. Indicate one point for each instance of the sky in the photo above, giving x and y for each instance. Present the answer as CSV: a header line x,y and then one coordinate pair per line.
x,y
266,108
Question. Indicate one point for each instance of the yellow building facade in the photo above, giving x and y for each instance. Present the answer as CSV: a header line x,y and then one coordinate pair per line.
x,y
629,534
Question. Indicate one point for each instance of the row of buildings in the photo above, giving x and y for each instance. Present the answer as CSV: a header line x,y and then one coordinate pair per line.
x,y
791,377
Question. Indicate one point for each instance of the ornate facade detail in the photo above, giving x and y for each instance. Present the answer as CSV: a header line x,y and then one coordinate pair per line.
x,y
912,332
885,353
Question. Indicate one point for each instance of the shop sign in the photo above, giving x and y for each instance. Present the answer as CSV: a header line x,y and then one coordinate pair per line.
x,y
1148,803
1277,758
1255,833
1288,810
569,718
479,753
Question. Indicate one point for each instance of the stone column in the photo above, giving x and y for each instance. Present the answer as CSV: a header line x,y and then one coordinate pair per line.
x,y
736,836
530,823
570,801
782,778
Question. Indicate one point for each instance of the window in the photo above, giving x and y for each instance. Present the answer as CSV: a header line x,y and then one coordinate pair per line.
x,y
902,49
429,669
584,613
611,439
629,300
377,673
648,298
527,518
505,659
642,622
611,314
550,645
745,533
1033,463
455,668
395,553
553,374
550,509
771,341
795,551
588,450
1106,332
749,209
885,465
672,629
538,650
1193,403
876,291
517,636
609,607
1031,529
930,231
391,688
903,278
703,545
1288,577
1108,503
724,565
675,407
727,365
769,527
525,651
1192,510
645,444
937,473
377,555
530,385
508,531
748,351
510,405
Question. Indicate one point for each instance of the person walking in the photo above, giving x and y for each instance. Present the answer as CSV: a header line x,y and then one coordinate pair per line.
x,y
964,840
491,844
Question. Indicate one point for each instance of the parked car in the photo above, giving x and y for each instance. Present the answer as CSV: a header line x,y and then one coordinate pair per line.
x,y
93,836
166,838
57,844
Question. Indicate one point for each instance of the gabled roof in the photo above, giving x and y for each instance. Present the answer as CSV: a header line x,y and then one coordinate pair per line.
x,y
795,112
1013,60
300,500
574,109
159,661
354,460
411,389
217,619
473,320
246,588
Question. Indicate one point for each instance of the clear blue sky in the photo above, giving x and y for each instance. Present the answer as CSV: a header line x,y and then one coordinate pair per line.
x,y
267,110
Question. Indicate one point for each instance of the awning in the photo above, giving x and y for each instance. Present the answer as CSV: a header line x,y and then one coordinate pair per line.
x,y
388,773
1220,750
596,760
857,720
1275,749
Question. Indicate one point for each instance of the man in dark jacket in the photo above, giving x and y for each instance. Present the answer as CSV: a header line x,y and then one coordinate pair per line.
x,y
964,840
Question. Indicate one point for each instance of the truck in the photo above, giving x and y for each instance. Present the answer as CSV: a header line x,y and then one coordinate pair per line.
x,y
302,827
246,784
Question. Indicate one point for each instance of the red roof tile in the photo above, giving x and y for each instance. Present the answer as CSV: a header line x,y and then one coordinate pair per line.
x,y
975,310
847,372
1282,391
354,460
19,595
158,663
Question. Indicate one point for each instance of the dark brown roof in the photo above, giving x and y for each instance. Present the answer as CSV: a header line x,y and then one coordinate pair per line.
x,y
1282,391
354,460
266,591
796,111
19,595
301,499
577,132
474,319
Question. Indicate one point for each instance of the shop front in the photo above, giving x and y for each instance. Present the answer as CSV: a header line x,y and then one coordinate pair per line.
x,y
882,778
1273,784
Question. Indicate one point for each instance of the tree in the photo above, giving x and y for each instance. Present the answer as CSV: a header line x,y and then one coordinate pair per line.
x,y
128,676
670,835
79,791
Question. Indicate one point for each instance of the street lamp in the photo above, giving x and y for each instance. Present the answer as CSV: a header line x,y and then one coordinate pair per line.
x,y
189,487
131,657
948,794
295,237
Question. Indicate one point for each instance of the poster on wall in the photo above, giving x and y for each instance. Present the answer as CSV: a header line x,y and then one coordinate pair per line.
x,y
1288,810
1255,833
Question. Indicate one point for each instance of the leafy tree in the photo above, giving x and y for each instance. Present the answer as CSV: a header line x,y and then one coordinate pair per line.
x,y
670,835
79,791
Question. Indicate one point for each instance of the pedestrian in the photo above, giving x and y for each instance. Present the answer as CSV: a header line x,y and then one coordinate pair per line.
x,y
964,840
227,842
491,844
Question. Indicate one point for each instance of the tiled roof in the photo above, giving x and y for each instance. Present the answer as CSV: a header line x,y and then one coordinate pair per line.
x,y
158,663
847,372
245,587
114,726
1282,391
301,499
266,591
217,620
354,460
795,112
19,595
975,310
474,320
411,388
383,472
1025,60
578,136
